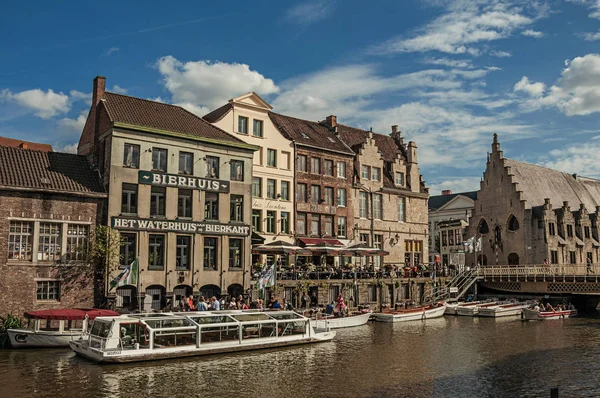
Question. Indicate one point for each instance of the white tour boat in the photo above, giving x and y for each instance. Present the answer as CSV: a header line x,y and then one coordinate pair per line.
x,y
452,308
536,315
510,309
354,319
412,314
55,328
144,337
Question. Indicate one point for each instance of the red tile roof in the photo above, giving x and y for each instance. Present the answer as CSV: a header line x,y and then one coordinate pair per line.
x,y
54,171
5,141
218,113
308,133
386,144
157,115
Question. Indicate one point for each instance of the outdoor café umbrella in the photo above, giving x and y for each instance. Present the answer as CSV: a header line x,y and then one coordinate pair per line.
x,y
326,249
279,247
362,249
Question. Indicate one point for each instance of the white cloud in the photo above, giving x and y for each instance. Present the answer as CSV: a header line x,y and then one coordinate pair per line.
x,y
464,25
532,33
210,84
455,184
593,5
43,104
111,50
500,54
68,148
73,125
118,89
452,63
309,12
533,89
579,158
195,109
591,36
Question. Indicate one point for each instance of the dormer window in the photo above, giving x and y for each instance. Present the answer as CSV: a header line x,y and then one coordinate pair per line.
x,y
399,180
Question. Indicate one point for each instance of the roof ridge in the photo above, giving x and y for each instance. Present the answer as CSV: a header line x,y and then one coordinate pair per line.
x,y
296,118
145,99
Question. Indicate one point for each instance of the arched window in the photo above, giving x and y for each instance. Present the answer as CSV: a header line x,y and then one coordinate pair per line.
x,y
513,259
483,227
498,234
513,223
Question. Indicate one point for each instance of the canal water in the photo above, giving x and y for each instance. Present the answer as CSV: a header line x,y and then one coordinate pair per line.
x,y
446,357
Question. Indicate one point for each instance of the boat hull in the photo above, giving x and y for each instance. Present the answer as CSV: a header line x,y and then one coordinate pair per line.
x,y
411,316
347,322
23,338
502,311
139,355
532,315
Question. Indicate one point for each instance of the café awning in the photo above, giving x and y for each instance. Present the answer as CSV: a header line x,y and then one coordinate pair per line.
x,y
318,241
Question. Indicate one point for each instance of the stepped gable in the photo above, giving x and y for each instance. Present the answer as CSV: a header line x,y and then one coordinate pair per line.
x,y
355,137
47,171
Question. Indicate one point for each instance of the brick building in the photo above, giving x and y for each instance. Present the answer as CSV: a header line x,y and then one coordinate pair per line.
x,y
525,214
179,194
50,204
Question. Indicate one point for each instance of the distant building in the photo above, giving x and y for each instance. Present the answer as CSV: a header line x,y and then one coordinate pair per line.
x,y
449,213
526,214
51,203
15,143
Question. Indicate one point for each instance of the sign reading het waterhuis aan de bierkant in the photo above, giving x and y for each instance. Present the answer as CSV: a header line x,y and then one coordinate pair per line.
x,y
194,227
180,181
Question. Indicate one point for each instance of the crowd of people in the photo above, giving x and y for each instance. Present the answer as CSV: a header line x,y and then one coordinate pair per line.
x,y
200,303
549,308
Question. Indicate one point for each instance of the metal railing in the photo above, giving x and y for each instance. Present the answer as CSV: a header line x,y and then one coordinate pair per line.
x,y
534,270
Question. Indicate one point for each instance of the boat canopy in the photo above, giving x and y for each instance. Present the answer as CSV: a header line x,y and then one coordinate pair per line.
x,y
69,314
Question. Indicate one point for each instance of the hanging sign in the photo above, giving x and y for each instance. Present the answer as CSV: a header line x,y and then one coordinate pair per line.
x,y
182,181
193,227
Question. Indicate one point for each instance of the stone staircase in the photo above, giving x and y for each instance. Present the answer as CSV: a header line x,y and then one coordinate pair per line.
x,y
453,289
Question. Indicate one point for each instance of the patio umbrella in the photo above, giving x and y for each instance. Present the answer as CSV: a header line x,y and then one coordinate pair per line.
x,y
279,247
362,249
326,249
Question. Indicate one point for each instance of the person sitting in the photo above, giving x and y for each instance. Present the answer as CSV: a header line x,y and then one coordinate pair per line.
x,y
329,309
550,308
276,305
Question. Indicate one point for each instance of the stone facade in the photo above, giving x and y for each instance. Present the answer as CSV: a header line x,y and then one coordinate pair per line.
x,y
527,214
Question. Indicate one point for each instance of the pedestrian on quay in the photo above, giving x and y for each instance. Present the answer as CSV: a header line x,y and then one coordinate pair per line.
x,y
202,304
191,303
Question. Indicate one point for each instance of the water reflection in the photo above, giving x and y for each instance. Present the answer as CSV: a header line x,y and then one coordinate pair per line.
x,y
454,356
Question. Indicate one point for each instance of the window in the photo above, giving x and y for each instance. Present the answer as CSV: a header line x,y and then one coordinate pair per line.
x,y
315,194
257,187
159,159
77,241
315,165
401,209
569,230
49,242
235,253
257,220
328,225
341,169
19,240
157,202
513,223
48,290
573,257
444,238
242,124
131,156
212,167
186,163
184,203
270,221
236,170
129,199
328,196
301,163
399,178
271,157
156,251
372,293
128,252
301,192
285,222
553,257
451,238
257,128
377,243
586,231
210,254
376,174
377,211
457,237
211,206
182,256
362,204
271,188
285,190
315,225
328,167
483,227
236,208
551,229
341,227
365,172
364,238
301,223
341,197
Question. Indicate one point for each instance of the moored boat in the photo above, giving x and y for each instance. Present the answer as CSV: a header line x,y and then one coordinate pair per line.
x,y
452,308
412,314
144,337
473,310
511,309
352,320
536,315
55,328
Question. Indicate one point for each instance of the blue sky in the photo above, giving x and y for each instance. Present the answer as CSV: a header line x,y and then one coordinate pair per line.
x,y
450,73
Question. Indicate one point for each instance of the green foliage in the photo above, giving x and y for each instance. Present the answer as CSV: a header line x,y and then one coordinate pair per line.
x,y
9,321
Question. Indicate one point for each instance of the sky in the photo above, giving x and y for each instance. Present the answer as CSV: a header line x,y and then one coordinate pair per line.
x,y
449,73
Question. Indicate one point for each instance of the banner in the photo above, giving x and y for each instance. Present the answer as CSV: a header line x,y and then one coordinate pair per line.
x,y
128,276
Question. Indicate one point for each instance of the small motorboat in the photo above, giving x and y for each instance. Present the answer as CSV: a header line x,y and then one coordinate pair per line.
x,y
473,310
452,308
497,311
55,328
358,318
536,315
420,313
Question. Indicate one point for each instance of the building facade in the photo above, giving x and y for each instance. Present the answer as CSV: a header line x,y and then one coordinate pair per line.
x,y
50,205
179,193
449,212
247,117
528,214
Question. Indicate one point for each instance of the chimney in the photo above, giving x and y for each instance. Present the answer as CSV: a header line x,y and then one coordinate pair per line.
x,y
394,129
99,88
446,192
24,145
332,121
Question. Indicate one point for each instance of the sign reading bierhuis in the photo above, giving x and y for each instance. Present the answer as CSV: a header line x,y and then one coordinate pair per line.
x,y
193,227
182,181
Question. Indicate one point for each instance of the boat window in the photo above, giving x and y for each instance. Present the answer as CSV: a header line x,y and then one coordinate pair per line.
x,y
168,323
214,334
203,320
100,329
252,317
174,338
286,315
259,330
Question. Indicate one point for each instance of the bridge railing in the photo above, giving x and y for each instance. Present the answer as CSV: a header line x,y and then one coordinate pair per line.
x,y
535,270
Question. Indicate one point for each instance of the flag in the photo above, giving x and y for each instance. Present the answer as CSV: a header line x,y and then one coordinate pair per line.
x,y
478,245
469,245
127,277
